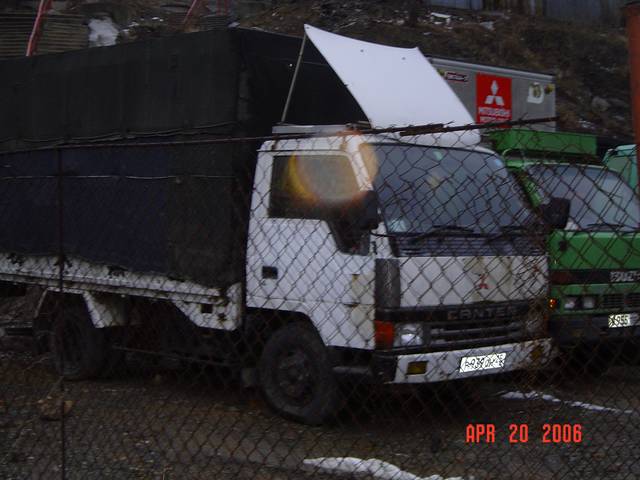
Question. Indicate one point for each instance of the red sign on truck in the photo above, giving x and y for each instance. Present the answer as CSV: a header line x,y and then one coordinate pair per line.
x,y
493,98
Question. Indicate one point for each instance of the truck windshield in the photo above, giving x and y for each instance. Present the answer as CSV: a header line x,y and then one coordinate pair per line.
x,y
600,198
444,191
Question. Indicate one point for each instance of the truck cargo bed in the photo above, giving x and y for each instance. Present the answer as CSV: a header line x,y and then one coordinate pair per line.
x,y
179,211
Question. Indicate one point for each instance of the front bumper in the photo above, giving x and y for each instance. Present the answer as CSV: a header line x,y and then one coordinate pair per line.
x,y
567,329
442,366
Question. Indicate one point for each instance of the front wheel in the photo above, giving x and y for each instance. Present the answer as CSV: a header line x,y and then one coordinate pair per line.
x,y
78,348
296,375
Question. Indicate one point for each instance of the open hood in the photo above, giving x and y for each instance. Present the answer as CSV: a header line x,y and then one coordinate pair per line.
x,y
395,87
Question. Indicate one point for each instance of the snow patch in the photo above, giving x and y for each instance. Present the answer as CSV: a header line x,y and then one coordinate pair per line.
x,y
440,18
102,32
378,469
488,25
533,395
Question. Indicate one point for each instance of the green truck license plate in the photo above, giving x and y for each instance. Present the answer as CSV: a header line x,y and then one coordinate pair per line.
x,y
618,320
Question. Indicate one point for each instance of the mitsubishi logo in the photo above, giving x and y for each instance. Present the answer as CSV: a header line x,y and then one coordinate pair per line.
x,y
494,97
482,282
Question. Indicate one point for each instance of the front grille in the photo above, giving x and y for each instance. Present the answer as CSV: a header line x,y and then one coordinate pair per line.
x,y
472,325
615,300
633,300
476,333
621,301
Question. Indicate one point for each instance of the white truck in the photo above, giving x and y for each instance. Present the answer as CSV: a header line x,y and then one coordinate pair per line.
x,y
333,253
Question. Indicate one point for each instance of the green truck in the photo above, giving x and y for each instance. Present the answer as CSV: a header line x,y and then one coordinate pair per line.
x,y
594,262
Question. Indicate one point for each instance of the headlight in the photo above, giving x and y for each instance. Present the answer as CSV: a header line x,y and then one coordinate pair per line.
x,y
570,303
408,335
588,302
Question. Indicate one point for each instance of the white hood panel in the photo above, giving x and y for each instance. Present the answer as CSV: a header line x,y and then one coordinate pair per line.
x,y
395,87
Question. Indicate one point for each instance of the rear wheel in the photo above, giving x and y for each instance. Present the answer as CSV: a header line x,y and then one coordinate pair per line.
x,y
297,377
78,348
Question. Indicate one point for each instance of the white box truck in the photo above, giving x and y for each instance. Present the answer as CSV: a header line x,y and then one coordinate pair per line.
x,y
323,254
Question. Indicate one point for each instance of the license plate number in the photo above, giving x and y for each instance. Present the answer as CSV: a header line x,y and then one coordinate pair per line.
x,y
618,320
482,362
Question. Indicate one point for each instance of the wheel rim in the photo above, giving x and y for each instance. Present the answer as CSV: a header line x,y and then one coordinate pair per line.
x,y
295,376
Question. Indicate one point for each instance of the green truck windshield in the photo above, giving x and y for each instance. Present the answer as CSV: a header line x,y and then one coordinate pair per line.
x,y
600,199
426,188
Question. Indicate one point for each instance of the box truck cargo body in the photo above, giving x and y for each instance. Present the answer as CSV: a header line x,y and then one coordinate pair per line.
x,y
304,258
499,94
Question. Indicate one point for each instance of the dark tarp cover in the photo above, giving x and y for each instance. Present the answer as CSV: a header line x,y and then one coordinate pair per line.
x,y
180,211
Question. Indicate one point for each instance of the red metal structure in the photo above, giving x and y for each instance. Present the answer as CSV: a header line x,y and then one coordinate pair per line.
x,y
194,7
43,8
632,14
223,7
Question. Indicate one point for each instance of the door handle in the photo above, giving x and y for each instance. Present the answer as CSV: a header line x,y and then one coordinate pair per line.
x,y
269,272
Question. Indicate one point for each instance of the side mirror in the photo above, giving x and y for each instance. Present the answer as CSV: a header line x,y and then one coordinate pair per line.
x,y
368,217
555,213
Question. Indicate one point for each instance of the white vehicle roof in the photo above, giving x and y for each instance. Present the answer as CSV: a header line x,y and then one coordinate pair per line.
x,y
338,139
395,87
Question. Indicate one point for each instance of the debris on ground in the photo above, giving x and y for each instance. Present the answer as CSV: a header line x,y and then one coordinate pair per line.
x,y
53,408
102,32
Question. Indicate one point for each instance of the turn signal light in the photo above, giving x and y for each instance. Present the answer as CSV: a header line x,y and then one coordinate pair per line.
x,y
417,368
384,334
553,303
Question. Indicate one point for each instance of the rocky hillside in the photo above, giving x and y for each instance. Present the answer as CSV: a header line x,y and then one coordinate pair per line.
x,y
590,62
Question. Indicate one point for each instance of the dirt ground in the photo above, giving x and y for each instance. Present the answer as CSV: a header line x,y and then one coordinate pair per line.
x,y
156,421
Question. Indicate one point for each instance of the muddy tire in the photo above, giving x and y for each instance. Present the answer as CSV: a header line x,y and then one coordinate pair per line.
x,y
296,375
77,347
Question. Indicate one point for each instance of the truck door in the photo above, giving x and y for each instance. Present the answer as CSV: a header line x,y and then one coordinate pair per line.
x,y
301,256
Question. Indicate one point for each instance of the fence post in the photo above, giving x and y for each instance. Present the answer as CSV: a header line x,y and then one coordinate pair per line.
x,y
61,261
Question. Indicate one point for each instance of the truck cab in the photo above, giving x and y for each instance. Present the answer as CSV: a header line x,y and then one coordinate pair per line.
x,y
595,260
410,261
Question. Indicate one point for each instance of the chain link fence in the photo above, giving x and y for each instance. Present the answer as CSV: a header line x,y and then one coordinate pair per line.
x,y
323,303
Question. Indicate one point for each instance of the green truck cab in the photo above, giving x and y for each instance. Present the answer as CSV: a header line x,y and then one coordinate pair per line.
x,y
594,262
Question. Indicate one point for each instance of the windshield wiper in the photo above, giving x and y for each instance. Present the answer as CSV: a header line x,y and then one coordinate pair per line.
x,y
509,231
440,231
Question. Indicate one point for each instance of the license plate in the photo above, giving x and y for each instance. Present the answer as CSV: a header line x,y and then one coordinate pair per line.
x,y
482,362
617,320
